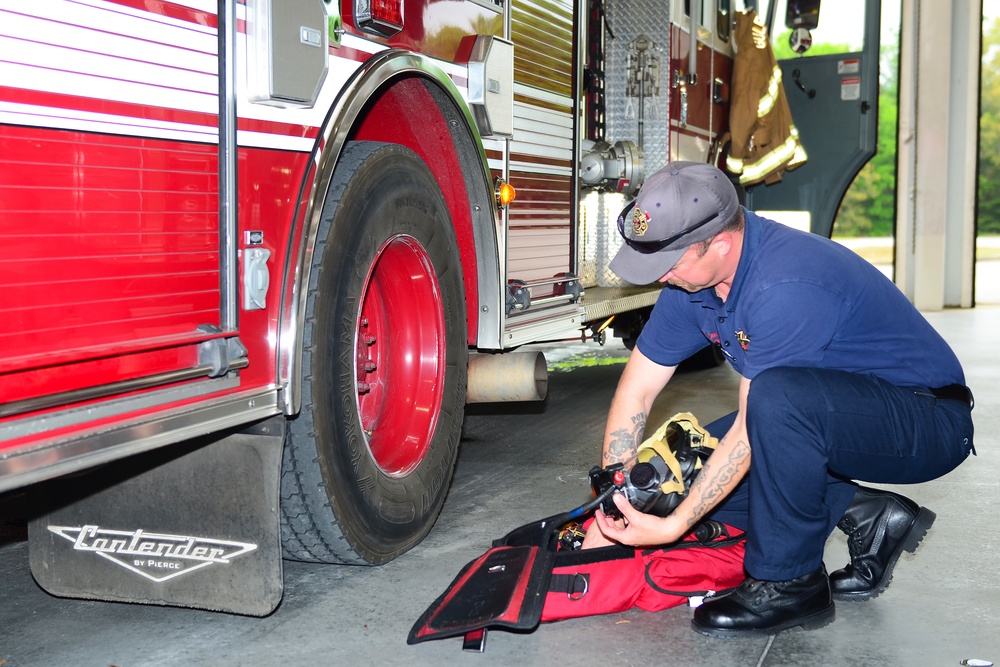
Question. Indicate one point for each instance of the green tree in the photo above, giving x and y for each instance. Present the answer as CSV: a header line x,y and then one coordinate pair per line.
x,y
989,132
869,204
868,208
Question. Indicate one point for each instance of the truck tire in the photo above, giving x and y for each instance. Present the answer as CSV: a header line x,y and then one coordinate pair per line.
x,y
369,458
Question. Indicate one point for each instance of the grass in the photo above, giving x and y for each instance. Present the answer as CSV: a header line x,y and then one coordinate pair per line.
x,y
580,362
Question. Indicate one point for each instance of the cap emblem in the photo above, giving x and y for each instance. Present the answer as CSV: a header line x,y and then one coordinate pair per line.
x,y
640,221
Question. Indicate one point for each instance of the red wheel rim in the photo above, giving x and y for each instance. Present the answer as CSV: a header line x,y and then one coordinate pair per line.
x,y
400,355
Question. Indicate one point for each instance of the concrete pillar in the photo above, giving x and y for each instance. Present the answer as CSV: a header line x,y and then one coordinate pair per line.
x,y
938,124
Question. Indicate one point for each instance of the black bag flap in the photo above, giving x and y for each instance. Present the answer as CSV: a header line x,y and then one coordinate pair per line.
x,y
505,587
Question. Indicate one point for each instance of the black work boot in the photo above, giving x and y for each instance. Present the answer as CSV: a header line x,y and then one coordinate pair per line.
x,y
767,607
880,525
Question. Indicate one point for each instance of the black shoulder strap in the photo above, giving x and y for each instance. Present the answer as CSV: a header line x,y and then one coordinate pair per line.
x,y
716,536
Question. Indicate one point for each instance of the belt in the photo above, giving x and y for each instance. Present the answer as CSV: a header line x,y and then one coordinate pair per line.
x,y
954,392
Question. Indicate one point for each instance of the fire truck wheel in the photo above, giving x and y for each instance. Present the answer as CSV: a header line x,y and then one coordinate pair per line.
x,y
369,459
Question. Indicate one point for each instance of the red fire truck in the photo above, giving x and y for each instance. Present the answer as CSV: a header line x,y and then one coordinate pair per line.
x,y
271,244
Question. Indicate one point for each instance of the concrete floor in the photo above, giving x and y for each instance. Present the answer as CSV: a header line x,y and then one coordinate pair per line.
x,y
519,463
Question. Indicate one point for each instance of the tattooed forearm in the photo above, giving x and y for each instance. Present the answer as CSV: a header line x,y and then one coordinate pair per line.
x,y
712,484
625,442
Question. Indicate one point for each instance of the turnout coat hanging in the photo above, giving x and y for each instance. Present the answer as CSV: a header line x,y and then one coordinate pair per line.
x,y
765,141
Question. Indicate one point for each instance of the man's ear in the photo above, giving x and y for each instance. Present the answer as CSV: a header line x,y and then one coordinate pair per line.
x,y
724,243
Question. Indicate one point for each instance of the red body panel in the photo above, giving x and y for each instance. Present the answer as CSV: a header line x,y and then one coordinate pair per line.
x,y
269,185
706,120
111,242
723,70
112,231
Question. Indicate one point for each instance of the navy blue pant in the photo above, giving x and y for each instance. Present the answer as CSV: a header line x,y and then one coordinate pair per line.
x,y
813,431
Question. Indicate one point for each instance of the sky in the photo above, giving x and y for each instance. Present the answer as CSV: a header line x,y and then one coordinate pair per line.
x,y
991,9
838,16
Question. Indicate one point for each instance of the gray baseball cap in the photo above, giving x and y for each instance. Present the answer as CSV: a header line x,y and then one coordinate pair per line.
x,y
680,205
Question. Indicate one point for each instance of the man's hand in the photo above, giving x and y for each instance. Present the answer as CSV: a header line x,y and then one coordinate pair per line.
x,y
595,538
637,529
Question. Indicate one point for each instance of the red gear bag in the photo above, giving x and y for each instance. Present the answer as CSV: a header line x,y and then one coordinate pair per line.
x,y
524,580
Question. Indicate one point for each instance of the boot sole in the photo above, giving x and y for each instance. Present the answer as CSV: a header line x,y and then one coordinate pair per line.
x,y
812,622
918,529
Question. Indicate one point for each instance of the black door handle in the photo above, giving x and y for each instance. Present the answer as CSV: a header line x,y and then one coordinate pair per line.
x,y
810,92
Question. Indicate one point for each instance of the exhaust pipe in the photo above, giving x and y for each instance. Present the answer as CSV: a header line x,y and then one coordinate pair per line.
x,y
509,376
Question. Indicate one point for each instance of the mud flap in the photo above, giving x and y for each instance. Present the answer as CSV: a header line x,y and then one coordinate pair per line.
x,y
193,525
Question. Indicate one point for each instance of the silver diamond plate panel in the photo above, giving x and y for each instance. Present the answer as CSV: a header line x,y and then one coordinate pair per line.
x,y
599,239
628,19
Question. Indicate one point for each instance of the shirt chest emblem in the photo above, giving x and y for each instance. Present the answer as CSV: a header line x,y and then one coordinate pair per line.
x,y
743,339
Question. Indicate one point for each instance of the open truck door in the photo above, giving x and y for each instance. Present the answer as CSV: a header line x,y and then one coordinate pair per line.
x,y
833,97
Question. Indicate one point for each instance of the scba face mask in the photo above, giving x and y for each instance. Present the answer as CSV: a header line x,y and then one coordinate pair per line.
x,y
668,463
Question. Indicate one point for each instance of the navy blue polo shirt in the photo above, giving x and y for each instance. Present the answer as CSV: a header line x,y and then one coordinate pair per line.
x,y
799,299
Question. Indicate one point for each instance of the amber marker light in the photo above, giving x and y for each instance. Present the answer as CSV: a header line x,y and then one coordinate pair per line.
x,y
505,193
